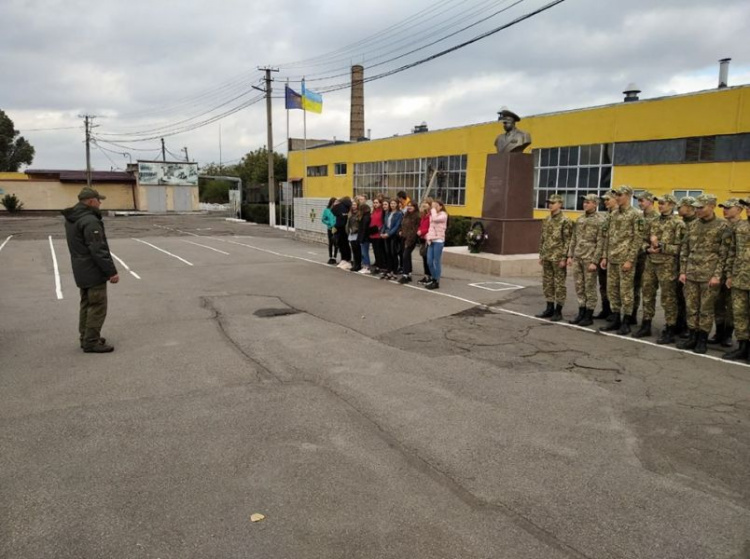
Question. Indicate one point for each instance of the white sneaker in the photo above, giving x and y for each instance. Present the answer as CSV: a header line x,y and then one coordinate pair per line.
x,y
364,270
345,265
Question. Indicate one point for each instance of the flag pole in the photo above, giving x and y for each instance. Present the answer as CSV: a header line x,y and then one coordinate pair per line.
x,y
304,125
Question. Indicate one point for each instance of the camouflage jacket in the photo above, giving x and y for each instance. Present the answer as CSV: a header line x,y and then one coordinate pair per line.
x,y
648,218
669,230
738,261
555,240
587,238
623,236
704,252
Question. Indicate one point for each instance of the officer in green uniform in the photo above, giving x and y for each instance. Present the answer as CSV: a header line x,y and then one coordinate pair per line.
x,y
610,203
583,256
92,267
553,252
724,322
646,204
702,261
738,280
621,246
686,211
662,247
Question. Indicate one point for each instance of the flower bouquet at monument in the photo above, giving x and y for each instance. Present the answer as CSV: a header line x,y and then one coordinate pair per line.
x,y
475,237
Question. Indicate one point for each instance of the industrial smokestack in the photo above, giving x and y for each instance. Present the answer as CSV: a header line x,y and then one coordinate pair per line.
x,y
724,72
357,117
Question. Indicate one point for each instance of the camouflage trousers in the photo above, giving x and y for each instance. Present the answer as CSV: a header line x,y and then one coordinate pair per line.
x,y
585,284
660,276
92,313
640,268
741,313
620,288
553,282
724,304
700,300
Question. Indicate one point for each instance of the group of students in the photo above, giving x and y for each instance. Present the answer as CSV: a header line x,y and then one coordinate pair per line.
x,y
699,262
393,228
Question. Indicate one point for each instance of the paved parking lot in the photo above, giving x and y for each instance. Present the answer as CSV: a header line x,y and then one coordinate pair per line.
x,y
361,417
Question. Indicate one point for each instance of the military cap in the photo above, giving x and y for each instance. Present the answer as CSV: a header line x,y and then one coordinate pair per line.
x,y
87,193
745,201
607,195
623,189
555,198
507,113
704,200
646,195
666,198
590,198
731,203
686,201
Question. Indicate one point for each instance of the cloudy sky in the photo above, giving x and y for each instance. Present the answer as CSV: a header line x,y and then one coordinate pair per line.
x,y
149,68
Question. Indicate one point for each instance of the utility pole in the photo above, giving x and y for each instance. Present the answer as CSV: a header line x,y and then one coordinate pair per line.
x,y
187,158
88,121
163,151
269,118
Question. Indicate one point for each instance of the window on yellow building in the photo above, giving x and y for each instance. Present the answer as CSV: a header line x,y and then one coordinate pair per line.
x,y
339,169
572,171
317,171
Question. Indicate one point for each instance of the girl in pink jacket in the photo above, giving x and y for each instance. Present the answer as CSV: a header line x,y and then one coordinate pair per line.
x,y
436,241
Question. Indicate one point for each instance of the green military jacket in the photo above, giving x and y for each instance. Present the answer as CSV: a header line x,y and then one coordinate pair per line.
x,y
669,230
587,238
738,260
648,217
703,254
555,240
624,235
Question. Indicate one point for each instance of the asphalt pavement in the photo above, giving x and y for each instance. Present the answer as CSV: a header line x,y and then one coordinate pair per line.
x,y
360,417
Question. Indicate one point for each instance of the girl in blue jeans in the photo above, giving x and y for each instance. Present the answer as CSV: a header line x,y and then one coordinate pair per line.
x,y
436,241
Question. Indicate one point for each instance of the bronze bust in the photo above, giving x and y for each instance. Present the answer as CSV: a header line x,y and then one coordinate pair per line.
x,y
514,140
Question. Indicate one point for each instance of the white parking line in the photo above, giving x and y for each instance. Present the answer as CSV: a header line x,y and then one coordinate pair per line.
x,y
205,246
485,284
58,286
164,251
5,242
132,273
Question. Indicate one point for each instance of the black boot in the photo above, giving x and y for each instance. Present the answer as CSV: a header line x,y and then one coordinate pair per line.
x,y
700,345
557,315
579,316
718,335
633,319
739,353
548,312
727,341
606,311
624,329
690,342
588,318
434,284
612,326
667,335
644,331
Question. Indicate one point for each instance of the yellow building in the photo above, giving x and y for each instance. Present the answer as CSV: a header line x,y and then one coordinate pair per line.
x,y
683,144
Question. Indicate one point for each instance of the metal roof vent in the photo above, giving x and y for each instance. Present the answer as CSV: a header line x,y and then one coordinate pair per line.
x,y
724,72
631,92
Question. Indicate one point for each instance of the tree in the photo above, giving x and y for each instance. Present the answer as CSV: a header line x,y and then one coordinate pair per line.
x,y
253,170
14,150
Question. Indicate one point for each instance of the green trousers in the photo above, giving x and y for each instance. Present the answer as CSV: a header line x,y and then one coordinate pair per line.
x,y
92,314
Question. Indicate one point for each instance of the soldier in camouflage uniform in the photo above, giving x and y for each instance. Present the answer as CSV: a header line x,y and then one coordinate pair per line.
x,y
686,211
649,213
662,246
553,251
702,261
724,322
610,204
738,280
583,255
621,246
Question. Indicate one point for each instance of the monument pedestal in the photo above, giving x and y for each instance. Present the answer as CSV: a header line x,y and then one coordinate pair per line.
x,y
508,205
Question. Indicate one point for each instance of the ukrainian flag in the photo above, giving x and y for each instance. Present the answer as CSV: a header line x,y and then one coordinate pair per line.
x,y
311,101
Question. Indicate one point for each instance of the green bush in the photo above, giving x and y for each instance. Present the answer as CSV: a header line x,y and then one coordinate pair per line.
x,y
458,226
257,213
12,203
215,192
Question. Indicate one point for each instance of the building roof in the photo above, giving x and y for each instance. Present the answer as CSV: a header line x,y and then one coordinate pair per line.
x,y
80,176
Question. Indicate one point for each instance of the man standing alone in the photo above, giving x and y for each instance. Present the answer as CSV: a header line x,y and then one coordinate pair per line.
x,y
553,253
92,267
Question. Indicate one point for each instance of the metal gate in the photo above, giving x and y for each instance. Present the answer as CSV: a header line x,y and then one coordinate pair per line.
x,y
289,191
156,197
183,201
